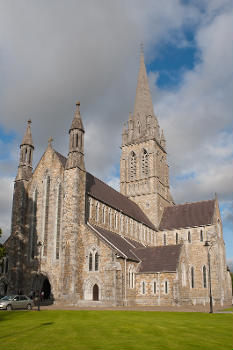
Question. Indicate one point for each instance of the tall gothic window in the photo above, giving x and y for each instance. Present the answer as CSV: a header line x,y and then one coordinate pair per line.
x,y
154,287
90,261
183,272
97,207
189,236
201,236
204,277
33,226
110,218
145,166
58,228
139,128
143,287
192,277
177,238
103,214
166,287
46,215
132,166
96,261
116,219
121,222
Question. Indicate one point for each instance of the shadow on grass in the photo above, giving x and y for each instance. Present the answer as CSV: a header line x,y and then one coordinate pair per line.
x,y
26,330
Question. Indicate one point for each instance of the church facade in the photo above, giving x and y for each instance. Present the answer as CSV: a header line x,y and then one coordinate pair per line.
x,y
84,243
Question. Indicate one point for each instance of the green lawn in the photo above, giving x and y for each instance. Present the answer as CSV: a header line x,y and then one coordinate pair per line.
x,y
120,330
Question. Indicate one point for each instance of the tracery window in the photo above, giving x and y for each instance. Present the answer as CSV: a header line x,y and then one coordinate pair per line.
x,y
145,166
46,215
58,227
132,166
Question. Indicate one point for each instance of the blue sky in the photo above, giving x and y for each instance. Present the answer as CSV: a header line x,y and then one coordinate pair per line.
x,y
50,61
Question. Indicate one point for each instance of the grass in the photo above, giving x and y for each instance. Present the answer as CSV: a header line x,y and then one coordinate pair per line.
x,y
114,330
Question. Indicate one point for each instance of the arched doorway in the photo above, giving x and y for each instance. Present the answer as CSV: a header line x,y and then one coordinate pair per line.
x,y
46,288
95,292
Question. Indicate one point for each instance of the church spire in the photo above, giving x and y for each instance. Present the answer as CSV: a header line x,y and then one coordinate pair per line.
x,y
76,145
143,104
26,153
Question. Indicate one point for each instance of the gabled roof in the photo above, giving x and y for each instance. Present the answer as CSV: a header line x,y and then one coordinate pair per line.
x,y
61,158
101,191
159,259
124,247
188,215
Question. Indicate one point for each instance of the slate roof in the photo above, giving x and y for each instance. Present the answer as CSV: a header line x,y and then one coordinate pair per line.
x,y
99,190
188,215
159,259
123,246
62,158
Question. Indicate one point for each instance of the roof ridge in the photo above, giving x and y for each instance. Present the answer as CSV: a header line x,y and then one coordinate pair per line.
x,y
205,200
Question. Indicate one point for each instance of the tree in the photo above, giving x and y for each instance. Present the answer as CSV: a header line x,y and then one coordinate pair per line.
x,y
2,248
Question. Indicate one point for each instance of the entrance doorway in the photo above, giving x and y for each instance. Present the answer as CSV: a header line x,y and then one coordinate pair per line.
x,y
46,288
95,292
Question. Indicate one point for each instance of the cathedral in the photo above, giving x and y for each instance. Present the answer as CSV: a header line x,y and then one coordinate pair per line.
x,y
86,244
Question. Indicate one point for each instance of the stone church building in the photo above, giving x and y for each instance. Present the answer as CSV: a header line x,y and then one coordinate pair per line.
x,y
84,243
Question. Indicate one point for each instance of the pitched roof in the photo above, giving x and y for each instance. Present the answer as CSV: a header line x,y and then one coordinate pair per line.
x,y
159,259
99,190
61,158
122,245
188,215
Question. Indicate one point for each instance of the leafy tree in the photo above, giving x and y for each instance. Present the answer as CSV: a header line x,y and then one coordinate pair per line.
x,y
2,248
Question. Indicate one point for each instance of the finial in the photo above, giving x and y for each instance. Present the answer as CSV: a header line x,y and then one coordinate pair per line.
x,y
50,140
141,48
29,121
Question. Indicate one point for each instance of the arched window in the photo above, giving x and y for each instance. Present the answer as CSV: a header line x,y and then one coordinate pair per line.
x,y
103,214
109,217
97,207
154,287
201,236
139,128
90,261
189,237
143,287
145,167
96,261
183,272
204,277
164,239
177,238
58,228
192,277
121,223
132,166
116,219
90,207
166,287
46,215
131,277
76,140
33,225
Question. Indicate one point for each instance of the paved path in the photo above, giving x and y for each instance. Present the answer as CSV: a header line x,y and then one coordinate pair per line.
x,y
189,308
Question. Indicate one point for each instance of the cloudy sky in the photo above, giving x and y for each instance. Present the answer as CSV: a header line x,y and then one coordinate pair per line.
x,y
53,53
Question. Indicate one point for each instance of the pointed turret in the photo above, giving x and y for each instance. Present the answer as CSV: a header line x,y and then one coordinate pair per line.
x,y
143,105
26,154
76,144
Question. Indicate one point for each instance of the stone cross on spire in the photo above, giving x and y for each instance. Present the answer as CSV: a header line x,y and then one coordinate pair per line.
x,y
50,140
143,104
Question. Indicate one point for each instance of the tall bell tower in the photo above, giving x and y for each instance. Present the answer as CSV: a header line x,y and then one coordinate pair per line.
x,y
144,172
